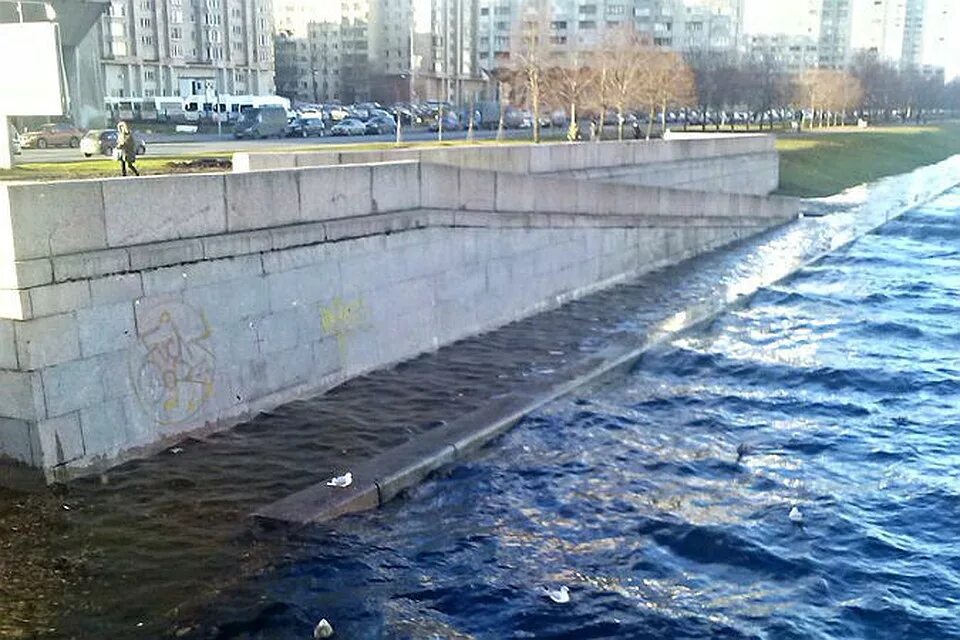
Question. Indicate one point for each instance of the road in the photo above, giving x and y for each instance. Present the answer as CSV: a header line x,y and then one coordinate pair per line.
x,y
172,145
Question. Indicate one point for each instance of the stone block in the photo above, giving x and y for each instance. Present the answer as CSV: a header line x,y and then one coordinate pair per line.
x,y
280,331
541,158
56,217
181,277
396,187
262,199
111,426
515,193
297,257
439,186
118,288
235,244
8,346
316,159
478,190
164,254
18,441
61,440
73,385
297,236
227,301
20,395
160,208
15,304
47,341
555,195
244,162
335,192
54,299
78,266
22,274
107,328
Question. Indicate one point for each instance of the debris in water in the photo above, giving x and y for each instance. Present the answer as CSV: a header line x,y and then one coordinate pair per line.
x,y
323,629
556,353
176,450
796,515
560,596
341,481
742,450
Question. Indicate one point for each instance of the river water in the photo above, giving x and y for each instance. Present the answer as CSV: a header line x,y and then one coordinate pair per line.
x,y
840,386
660,498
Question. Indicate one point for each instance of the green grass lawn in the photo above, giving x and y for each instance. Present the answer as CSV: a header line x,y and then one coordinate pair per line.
x,y
816,165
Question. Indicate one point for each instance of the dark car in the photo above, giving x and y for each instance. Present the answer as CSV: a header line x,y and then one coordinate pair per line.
x,y
381,125
305,127
450,123
104,141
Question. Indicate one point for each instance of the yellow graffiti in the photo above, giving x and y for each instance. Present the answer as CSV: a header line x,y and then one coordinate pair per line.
x,y
341,318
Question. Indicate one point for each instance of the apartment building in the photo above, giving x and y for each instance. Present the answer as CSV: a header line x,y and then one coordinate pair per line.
x,y
792,53
186,47
350,50
451,65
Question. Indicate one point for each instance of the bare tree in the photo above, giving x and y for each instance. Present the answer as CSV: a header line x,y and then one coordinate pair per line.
x,y
665,81
620,57
532,52
568,84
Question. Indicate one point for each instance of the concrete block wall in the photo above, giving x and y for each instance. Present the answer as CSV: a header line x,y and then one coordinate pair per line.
x,y
744,163
121,330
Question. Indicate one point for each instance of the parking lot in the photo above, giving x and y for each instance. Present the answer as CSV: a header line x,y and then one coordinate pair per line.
x,y
192,144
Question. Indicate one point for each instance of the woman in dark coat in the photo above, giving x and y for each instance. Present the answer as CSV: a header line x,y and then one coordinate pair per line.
x,y
127,146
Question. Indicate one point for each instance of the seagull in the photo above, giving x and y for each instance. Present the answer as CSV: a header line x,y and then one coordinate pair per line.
x,y
796,516
560,596
341,481
323,630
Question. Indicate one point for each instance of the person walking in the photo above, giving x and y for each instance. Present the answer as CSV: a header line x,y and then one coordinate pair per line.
x,y
126,148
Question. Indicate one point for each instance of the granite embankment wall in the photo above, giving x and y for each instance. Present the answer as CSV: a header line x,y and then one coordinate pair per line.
x,y
133,311
742,163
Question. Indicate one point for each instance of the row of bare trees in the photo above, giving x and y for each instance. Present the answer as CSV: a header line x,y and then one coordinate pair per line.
x,y
621,74
625,74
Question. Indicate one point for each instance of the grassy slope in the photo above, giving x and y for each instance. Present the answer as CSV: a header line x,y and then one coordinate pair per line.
x,y
815,165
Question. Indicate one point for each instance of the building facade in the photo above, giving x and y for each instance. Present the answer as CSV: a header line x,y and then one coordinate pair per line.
x,y
348,51
451,68
187,47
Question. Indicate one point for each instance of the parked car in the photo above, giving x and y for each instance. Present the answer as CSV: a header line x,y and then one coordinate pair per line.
x,y
61,134
450,123
304,127
261,122
348,127
99,142
14,140
381,125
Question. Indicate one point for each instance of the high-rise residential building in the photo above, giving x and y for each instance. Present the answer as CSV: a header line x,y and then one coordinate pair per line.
x,y
185,47
834,37
792,53
675,24
349,50
878,28
451,69
927,33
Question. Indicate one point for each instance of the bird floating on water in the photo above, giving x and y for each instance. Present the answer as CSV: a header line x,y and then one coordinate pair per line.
x,y
341,481
742,450
560,596
323,630
796,515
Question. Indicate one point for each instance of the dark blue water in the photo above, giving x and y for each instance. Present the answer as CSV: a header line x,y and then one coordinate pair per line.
x,y
840,386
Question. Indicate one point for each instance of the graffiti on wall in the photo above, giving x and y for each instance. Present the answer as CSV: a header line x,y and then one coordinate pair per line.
x,y
341,318
173,365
